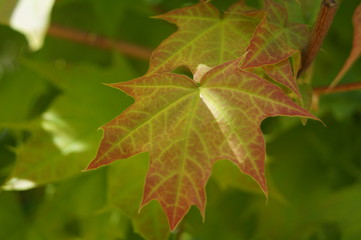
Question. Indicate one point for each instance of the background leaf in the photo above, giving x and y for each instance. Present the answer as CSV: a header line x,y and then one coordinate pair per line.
x,y
67,141
150,221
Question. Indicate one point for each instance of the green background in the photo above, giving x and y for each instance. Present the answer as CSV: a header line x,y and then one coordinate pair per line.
x,y
52,103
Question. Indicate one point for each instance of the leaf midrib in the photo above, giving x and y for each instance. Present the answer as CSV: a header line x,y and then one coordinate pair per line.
x,y
182,168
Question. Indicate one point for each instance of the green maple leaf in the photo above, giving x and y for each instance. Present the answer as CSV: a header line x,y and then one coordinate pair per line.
x,y
188,124
205,37
187,127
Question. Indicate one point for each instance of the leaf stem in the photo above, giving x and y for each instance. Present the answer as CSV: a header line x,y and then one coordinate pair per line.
x,y
94,40
340,88
324,20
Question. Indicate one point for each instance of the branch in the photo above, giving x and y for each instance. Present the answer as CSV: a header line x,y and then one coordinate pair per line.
x,y
324,20
99,41
339,88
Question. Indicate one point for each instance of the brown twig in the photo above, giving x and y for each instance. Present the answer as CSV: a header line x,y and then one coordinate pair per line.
x,y
339,88
324,20
99,41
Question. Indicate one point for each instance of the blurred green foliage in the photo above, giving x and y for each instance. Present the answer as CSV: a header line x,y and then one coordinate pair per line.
x,y
53,101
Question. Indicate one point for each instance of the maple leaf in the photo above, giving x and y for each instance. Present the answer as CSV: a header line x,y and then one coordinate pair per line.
x,y
204,36
275,39
187,127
